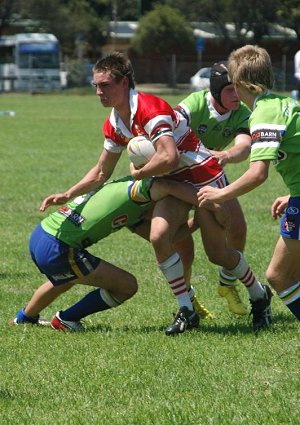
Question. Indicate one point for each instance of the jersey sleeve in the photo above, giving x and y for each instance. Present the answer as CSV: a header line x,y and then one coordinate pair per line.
x,y
266,139
112,141
156,116
139,190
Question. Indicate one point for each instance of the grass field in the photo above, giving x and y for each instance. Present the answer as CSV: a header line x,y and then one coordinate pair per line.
x,y
123,370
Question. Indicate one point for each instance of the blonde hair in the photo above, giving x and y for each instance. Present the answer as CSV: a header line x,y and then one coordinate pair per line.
x,y
250,67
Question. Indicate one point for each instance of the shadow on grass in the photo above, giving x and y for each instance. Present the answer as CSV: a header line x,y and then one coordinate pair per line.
x,y
281,322
206,327
214,328
6,394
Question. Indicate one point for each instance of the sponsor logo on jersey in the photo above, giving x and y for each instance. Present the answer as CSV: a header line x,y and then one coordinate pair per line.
x,y
119,221
289,225
202,128
262,135
139,131
227,132
281,156
72,216
83,198
292,211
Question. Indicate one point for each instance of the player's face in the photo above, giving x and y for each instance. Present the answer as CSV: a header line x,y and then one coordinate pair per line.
x,y
110,91
229,98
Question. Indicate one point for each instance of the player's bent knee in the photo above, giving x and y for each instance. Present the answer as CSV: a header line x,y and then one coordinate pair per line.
x,y
158,239
130,288
273,278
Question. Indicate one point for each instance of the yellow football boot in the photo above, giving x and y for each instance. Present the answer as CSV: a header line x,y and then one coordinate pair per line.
x,y
233,299
200,309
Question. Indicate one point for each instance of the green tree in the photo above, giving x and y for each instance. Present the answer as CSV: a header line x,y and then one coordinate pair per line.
x,y
7,9
163,31
80,25
251,21
288,13
131,10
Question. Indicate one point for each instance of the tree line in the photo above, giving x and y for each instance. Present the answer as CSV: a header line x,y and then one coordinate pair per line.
x,y
163,26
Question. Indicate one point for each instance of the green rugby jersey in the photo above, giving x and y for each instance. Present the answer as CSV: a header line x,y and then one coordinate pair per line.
x,y
91,217
275,131
214,130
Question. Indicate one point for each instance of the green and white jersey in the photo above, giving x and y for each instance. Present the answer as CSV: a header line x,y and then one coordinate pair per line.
x,y
275,131
92,217
214,130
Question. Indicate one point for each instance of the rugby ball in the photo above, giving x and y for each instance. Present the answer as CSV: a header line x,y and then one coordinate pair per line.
x,y
140,150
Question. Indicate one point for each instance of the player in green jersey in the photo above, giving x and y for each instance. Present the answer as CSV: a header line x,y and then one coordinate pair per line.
x,y
275,131
220,121
58,248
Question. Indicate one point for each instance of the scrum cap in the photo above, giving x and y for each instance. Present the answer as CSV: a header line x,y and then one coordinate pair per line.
x,y
219,78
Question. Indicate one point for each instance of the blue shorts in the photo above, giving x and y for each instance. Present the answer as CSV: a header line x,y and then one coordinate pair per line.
x,y
57,260
290,221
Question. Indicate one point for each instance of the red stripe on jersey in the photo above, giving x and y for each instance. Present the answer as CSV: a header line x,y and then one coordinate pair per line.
x,y
150,109
188,141
110,133
202,174
159,131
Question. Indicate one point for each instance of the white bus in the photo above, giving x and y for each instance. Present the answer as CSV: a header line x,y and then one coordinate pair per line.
x,y
29,62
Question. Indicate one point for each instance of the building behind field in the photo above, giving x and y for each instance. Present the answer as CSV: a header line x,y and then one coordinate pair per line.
x,y
210,47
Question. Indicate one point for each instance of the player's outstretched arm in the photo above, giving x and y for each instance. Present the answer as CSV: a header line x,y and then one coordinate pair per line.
x,y
95,177
253,177
54,199
237,153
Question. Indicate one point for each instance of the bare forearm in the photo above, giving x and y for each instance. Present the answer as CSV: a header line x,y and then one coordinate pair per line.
x,y
237,153
253,177
91,181
157,166
246,183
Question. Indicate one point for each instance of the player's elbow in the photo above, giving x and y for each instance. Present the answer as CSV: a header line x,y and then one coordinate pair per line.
x,y
261,176
259,171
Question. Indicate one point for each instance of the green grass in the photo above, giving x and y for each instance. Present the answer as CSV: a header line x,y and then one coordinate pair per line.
x,y
123,370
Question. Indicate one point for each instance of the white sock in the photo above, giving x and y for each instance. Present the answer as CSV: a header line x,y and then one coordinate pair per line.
x,y
172,268
244,273
191,292
225,279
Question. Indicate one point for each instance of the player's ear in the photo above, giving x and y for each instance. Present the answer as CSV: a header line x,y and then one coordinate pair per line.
x,y
125,81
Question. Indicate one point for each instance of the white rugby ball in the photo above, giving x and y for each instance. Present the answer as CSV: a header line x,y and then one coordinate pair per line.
x,y
140,150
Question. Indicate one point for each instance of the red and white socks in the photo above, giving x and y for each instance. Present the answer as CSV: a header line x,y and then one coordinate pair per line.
x,y
172,268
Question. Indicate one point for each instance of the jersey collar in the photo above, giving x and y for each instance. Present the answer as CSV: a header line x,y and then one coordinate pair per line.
x,y
115,119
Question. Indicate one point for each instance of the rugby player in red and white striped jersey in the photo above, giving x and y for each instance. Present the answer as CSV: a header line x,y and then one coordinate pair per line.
x,y
179,155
